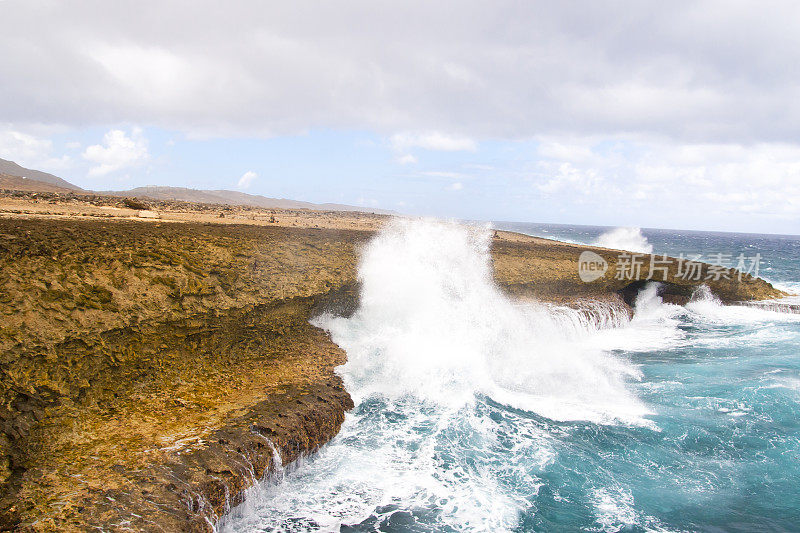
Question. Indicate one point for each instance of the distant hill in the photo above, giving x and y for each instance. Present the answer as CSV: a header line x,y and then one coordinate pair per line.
x,y
17,183
232,198
11,177
12,169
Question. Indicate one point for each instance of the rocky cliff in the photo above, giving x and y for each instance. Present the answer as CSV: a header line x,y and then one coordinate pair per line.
x,y
151,371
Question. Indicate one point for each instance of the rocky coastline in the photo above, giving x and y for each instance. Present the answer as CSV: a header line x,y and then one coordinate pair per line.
x,y
155,369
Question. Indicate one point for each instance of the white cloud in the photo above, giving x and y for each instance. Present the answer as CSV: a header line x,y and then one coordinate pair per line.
x,y
30,151
568,151
406,159
719,179
583,181
21,146
118,151
246,179
558,68
165,76
457,186
431,141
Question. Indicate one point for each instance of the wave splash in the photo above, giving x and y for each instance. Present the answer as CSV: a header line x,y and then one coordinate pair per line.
x,y
708,308
436,354
629,239
433,324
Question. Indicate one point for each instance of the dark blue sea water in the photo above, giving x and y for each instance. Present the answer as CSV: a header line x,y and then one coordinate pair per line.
x,y
476,413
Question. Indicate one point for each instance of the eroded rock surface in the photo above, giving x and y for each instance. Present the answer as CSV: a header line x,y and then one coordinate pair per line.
x,y
150,370
145,366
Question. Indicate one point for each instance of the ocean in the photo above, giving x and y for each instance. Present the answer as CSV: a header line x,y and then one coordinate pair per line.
x,y
478,413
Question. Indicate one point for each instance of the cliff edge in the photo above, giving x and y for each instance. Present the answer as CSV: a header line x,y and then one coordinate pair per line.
x,y
153,370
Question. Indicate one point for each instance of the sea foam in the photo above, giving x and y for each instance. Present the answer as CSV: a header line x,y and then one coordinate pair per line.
x,y
432,323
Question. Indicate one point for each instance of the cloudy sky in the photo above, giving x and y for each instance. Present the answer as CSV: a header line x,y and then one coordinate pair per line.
x,y
655,114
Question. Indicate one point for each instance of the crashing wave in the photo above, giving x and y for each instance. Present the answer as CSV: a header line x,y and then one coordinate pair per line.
x,y
628,239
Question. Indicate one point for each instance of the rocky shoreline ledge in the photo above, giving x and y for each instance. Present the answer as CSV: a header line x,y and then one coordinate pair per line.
x,y
154,369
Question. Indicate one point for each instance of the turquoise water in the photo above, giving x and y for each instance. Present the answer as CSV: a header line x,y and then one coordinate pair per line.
x,y
475,413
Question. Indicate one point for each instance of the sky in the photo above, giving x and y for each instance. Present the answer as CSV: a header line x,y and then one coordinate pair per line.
x,y
652,114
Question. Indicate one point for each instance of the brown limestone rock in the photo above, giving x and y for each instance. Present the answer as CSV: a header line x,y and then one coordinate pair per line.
x,y
149,367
